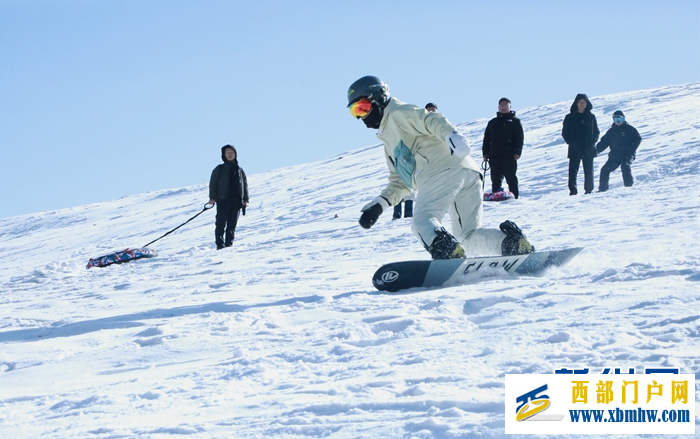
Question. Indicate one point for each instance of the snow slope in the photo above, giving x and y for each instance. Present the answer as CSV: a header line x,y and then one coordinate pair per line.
x,y
283,335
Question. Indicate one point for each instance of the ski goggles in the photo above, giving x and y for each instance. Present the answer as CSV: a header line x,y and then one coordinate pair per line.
x,y
618,119
360,108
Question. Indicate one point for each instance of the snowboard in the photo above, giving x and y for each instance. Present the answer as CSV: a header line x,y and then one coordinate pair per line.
x,y
398,276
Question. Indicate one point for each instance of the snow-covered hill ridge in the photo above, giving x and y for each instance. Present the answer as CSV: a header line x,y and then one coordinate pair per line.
x,y
284,336
544,157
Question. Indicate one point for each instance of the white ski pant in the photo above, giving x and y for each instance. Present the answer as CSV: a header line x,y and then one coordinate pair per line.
x,y
459,193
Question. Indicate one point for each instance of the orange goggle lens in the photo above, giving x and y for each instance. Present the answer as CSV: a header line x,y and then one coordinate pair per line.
x,y
360,108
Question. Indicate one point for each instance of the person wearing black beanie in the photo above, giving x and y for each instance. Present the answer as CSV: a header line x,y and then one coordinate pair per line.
x,y
623,140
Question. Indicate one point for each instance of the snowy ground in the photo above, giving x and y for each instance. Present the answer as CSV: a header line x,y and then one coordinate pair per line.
x,y
284,335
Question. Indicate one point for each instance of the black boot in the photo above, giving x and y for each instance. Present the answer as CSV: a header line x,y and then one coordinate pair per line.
x,y
229,239
515,242
445,246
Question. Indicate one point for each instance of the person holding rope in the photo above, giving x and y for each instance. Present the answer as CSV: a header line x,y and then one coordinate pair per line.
x,y
228,189
503,146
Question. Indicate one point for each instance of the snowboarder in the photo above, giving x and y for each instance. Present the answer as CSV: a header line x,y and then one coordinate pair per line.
x,y
581,133
503,146
623,140
425,152
228,189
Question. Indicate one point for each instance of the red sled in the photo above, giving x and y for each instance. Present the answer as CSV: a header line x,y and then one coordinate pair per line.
x,y
121,257
498,196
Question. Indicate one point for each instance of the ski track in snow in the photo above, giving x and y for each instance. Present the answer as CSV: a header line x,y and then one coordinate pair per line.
x,y
283,335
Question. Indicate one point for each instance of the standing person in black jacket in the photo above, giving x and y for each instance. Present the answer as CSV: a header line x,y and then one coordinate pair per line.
x,y
581,134
503,146
228,188
623,140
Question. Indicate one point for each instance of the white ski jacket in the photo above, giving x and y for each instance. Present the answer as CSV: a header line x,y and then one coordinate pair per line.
x,y
415,148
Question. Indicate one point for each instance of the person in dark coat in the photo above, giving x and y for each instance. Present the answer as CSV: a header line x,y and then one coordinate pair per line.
x,y
228,189
623,140
581,133
503,146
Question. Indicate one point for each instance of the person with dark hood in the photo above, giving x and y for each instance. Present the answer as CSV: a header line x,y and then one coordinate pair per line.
x,y
426,153
623,140
503,146
581,133
228,189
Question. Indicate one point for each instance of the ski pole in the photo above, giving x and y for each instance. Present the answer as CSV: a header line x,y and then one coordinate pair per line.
x,y
203,210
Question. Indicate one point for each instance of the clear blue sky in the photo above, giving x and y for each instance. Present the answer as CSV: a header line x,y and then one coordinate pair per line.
x,y
101,99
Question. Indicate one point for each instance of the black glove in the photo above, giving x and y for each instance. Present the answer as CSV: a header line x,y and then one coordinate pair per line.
x,y
370,216
371,212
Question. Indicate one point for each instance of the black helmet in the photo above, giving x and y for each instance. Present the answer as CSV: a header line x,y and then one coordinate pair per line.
x,y
369,87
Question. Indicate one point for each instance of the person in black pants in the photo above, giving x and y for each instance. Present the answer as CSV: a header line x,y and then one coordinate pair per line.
x,y
503,146
228,189
408,207
623,140
581,133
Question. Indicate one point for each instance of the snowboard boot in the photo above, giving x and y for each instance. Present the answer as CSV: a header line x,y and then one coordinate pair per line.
x,y
445,246
515,242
